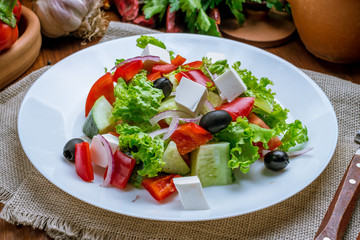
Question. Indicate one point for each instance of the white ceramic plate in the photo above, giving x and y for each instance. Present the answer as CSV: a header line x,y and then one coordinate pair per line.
x,y
52,112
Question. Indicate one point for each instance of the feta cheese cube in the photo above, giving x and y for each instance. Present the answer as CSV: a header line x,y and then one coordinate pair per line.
x,y
230,84
215,56
112,140
190,96
153,50
191,193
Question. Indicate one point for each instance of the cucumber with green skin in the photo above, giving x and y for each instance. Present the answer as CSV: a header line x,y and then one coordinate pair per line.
x,y
210,163
99,119
173,161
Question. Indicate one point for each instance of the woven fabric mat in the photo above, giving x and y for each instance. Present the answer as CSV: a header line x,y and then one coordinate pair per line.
x,y
30,199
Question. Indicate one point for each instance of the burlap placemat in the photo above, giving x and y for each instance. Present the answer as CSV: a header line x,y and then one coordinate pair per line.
x,y
32,200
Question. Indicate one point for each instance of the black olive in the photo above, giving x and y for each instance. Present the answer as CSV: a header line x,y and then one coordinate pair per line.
x,y
215,121
165,85
69,149
276,160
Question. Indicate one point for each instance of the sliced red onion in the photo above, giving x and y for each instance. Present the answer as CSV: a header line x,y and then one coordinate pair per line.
x,y
166,114
172,127
108,155
194,120
292,153
300,152
98,151
143,58
209,105
158,132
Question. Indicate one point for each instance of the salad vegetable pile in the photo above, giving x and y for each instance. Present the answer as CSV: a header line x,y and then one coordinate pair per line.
x,y
156,117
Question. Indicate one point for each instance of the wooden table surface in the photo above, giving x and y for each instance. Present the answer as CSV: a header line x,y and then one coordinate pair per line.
x,y
53,50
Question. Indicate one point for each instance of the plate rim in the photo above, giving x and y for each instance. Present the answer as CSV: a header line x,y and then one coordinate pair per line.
x,y
314,85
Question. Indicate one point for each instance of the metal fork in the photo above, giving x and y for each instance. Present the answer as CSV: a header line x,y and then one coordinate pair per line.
x,y
337,217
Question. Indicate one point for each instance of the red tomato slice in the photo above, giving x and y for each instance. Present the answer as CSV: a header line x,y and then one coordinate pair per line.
x,y
195,64
190,136
103,86
128,70
273,143
164,68
83,166
240,107
195,75
122,169
160,187
179,60
153,76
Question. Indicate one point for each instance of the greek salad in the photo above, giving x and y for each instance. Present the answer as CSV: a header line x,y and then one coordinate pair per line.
x,y
160,122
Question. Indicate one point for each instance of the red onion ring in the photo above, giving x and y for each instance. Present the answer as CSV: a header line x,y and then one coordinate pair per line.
x,y
172,127
209,105
292,153
194,120
110,159
158,132
166,114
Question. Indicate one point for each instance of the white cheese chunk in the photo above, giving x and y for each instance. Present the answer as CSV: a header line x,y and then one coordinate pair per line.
x,y
190,96
215,56
191,193
230,85
153,50
112,140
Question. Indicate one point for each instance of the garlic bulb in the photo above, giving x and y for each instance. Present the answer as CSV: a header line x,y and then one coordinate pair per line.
x,y
82,18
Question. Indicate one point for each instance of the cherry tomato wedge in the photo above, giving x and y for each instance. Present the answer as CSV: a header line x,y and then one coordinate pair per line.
x,y
83,166
153,76
164,68
195,64
273,143
128,70
122,169
103,86
160,187
240,107
195,75
179,60
190,136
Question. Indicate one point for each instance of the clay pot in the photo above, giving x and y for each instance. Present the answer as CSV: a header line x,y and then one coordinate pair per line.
x,y
329,29
20,56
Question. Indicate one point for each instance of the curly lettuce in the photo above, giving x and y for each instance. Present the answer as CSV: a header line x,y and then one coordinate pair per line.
x,y
137,101
241,134
147,151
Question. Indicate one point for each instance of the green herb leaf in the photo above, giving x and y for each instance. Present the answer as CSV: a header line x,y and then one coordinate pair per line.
x,y
153,7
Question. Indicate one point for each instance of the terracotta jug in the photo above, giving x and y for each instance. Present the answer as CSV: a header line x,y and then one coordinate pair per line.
x,y
329,29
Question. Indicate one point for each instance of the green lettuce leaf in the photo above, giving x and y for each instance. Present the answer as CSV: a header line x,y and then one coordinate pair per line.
x,y
241,134
137,101
146,150
218,67
145,40
295,134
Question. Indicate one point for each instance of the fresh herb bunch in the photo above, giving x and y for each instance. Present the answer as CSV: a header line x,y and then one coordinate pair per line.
x,y
196,11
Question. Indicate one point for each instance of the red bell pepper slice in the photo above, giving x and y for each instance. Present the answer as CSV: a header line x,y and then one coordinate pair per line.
x,y
273,143
83,166
160,187
164,68
123,166
195,64
197,76
128,70
153,76
240,107
103,86
178,61
190,136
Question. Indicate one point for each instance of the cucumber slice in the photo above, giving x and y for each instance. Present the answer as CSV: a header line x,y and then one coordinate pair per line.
x,y
210,163
174,163
99,118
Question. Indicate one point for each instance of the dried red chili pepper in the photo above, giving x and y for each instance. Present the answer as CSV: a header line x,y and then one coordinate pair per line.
x,y
128,9
171,22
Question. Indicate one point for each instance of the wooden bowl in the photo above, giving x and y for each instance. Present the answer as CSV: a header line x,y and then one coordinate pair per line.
x,y
20,56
